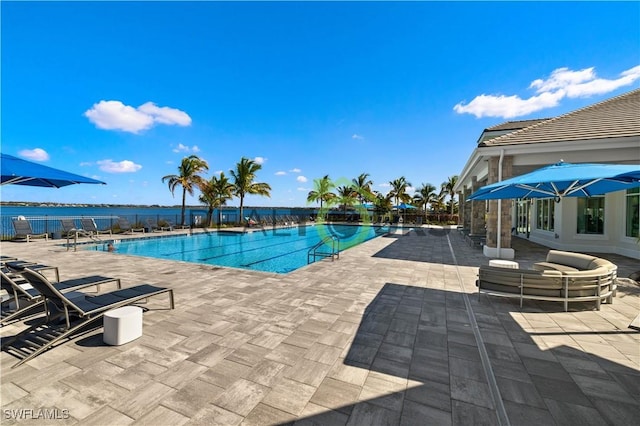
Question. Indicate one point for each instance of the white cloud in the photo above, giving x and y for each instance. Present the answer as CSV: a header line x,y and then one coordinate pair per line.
x,y
186,148
165,115
86,164
36,154
357,136
508,106
302,188
301,179
562,83
385,185
295,170
114,115
218,172
280,173
260,160
124,166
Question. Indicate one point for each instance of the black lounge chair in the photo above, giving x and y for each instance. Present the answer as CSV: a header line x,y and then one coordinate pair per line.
x,y
24,230
126,227
5,259
155,226
86,310
19,265
89,225
69,228
18,288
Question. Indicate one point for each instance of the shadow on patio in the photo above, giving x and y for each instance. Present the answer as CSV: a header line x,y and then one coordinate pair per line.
x,y
424,365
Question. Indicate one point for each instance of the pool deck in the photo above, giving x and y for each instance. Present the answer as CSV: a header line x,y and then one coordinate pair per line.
x,y
392,333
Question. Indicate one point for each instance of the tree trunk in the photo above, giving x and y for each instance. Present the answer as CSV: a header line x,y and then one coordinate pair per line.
x,y
184,201
241,208
210,216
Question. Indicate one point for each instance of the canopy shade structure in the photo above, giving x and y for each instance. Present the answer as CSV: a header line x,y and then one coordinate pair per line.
x,y
564,180
404,206
17,171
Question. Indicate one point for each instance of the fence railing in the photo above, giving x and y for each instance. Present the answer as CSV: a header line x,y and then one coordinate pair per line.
x,y
51,224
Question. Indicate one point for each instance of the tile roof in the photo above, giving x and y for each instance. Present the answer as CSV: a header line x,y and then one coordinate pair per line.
x,y
515,125
613,118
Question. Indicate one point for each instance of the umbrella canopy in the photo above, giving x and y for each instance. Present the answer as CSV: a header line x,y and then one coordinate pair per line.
x,y
17,171
404,206
564,180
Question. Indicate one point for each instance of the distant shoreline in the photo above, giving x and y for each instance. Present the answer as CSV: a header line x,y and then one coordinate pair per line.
x,y
134,206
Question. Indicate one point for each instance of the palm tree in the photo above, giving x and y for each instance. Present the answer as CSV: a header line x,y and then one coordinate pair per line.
x,y
399,190
362,186
382,204
322,191
425,195
215,193
243,182
188,178
346,196
448,188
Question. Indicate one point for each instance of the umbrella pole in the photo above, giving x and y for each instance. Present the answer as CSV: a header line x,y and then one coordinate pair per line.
x,y
499,224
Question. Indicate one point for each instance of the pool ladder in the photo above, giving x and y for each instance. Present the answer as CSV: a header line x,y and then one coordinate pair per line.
x,y
315,251
82,233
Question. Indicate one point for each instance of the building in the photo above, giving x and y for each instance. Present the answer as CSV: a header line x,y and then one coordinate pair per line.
x,y
606,132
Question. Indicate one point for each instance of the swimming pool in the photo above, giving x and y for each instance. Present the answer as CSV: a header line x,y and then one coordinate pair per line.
x,y
279,250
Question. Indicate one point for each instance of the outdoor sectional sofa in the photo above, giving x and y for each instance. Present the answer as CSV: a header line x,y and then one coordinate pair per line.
x,y
562,277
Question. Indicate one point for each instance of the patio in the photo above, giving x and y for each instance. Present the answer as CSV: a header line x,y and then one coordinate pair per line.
x,y
392,333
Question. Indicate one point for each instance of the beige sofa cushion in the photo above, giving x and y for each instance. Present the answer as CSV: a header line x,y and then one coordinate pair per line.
x,y
548,266
576,260
541,283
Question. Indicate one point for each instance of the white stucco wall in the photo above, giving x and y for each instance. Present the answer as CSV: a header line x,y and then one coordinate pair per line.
x,y
565,236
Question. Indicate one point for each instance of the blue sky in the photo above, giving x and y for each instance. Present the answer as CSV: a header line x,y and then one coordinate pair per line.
x,y
122,91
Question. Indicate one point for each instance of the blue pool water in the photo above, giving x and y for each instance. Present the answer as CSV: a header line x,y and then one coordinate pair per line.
x,y
270,250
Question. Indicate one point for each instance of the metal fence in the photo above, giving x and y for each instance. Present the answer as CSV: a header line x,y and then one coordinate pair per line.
x,y
51,224
194,218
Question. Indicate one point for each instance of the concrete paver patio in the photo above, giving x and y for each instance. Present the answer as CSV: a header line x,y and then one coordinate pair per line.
x,y
393,333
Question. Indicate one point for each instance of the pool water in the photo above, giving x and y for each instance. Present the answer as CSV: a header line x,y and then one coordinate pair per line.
x,y
271,250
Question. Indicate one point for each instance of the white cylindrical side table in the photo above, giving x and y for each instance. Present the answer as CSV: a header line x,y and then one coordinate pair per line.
x,y
122,325
500,263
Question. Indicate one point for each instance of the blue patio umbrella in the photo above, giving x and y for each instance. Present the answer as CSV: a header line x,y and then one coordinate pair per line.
x,y
404,206
564,180
17,171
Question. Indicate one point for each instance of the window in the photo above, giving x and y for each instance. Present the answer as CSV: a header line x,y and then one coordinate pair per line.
x,y
591,215
546,214
633,212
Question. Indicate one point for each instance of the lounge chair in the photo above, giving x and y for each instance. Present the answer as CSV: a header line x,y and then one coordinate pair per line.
x,y
174,226
69,229
89,225
87,311
5,259
126,227
154,226
18,288
19,265
24,230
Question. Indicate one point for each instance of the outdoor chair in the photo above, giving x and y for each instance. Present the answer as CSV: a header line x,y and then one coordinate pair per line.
x,y
19,265
86,310
174,226
69,229
126,227
89,225
5,259
24,230
155,226
18,288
